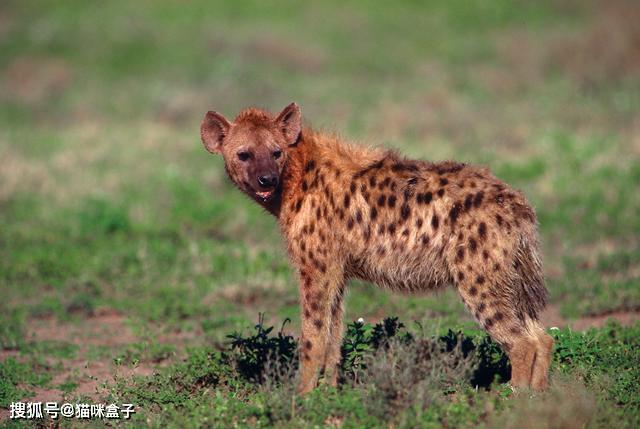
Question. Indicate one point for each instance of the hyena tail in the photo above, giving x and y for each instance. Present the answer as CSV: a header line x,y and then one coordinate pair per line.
x,y
531,291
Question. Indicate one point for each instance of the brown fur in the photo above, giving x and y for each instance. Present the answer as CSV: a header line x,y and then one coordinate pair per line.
x,y
411,226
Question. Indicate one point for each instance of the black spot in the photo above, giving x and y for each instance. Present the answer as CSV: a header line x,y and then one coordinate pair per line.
x,y
405,211
392,228
359,216
391,202
424,198
298,205
498,316
488,323
480,280
455,212
482,230
473,291
478,199
419,222
363,188
499,220
318,324
482,307
382,199
412,181
352,188
468,202
485,255
440,192
460,254
381,229
405,232
308,345
373,214
443,181
347,201
460,276
425,239
310,166
407,193
435,221
473,245
350,223
304,186
372,181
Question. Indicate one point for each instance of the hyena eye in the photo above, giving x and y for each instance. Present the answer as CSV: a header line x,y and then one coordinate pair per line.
x,y
244,156
277,154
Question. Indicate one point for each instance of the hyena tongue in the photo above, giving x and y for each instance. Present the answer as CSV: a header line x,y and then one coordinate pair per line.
x,y
264,194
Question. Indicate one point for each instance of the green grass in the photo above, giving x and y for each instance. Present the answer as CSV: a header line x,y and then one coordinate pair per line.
x,y
109,201
397,385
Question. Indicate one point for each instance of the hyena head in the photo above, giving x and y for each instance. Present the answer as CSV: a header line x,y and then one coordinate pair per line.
x,y
254,146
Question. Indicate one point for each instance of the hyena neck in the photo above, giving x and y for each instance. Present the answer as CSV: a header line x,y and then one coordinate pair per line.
x,y
299,155
292,173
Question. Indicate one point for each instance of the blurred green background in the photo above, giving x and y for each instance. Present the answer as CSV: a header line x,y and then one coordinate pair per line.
x,y
110,204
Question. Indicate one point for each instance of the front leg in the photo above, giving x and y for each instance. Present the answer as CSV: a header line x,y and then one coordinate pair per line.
x,y
334,343
318,291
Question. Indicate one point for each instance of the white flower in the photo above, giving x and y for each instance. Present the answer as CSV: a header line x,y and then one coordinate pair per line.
x,y
360,320
554,328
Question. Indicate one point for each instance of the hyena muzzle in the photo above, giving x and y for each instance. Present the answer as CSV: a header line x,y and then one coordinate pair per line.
x,y
411,226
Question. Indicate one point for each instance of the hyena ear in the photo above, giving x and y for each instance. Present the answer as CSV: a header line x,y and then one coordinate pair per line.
x,y
289,121
213,130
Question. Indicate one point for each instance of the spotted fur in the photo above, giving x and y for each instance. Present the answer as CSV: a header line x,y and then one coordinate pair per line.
x,y
410,226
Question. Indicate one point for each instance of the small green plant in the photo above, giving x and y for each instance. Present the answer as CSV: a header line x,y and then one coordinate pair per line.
x,y
362,339
250,355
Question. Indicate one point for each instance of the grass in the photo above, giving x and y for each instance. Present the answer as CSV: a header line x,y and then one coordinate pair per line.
x,y
124,250
393,378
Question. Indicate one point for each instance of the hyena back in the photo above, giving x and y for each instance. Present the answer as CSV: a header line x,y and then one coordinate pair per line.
x,y
411,226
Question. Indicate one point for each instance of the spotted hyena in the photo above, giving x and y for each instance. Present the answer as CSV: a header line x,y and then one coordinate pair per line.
x,y
411,226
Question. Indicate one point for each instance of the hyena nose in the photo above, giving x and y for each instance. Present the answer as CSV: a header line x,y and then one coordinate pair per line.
x,y
268,181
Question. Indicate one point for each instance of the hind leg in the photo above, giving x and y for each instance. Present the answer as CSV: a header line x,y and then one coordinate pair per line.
x,y
497,317
523,357
540,376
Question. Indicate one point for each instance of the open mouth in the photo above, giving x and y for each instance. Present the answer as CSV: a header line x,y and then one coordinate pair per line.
x,y
264,195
